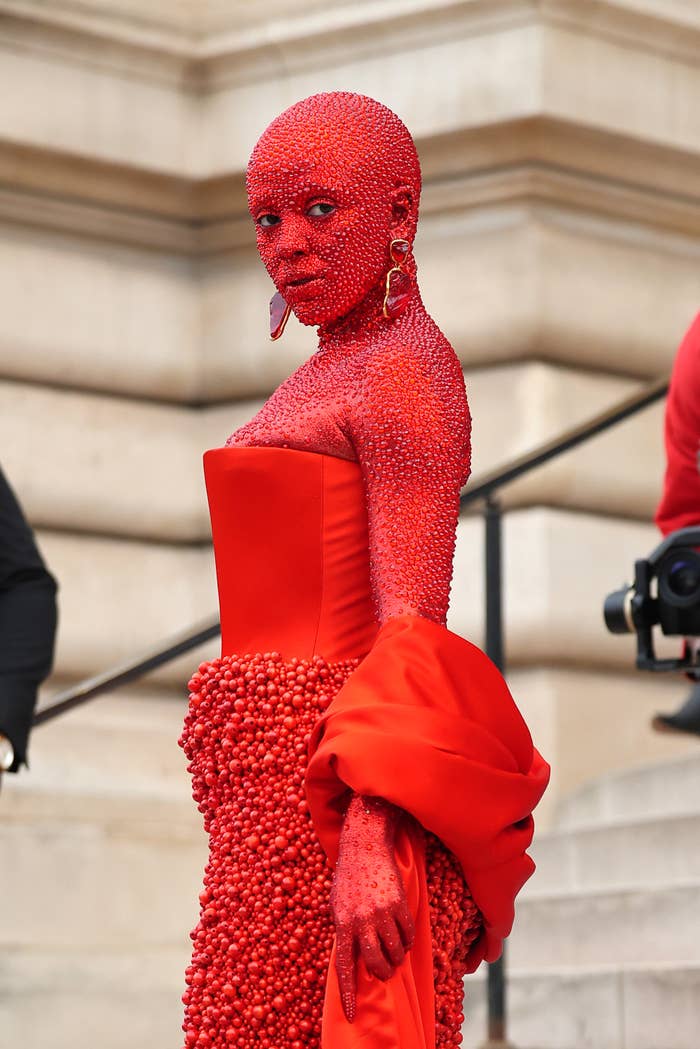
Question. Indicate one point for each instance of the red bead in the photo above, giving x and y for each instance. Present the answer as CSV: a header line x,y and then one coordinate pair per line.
x,y
395,382
399,250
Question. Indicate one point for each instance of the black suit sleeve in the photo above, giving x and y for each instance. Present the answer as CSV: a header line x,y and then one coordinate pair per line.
x,y
27,622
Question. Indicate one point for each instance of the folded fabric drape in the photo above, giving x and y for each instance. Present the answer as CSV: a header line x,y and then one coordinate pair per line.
x,y
427,722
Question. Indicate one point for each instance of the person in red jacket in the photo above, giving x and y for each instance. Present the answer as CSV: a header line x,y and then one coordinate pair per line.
x,y
680,501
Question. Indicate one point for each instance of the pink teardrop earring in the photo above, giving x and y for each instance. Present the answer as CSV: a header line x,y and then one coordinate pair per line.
x,y
398,283
279,315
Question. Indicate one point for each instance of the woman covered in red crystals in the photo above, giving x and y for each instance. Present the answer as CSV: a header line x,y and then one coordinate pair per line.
x,y
364,775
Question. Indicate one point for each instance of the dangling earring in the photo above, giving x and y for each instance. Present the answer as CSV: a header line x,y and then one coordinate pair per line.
x,y
279,315
398,283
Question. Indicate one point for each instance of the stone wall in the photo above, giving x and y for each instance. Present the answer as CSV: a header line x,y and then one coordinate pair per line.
x,y
559,250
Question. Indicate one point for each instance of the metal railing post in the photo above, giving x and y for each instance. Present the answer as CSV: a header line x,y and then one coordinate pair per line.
x,y
493,518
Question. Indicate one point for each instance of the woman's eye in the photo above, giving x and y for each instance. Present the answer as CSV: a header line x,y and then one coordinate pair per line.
x,y
268,220
317,211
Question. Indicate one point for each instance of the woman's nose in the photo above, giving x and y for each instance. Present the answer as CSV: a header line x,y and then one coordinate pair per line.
x,y
293,241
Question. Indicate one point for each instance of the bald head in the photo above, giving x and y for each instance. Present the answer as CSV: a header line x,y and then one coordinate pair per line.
x,y
352,136
331,182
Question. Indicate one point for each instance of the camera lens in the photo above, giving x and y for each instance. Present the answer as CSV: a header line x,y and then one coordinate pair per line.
x,y
683,578
679,578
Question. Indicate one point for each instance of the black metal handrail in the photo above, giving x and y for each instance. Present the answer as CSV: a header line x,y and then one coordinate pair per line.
x,y
598,424
130,671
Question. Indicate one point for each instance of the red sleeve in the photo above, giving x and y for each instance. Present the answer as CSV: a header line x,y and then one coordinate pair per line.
x,y
680,502
411,437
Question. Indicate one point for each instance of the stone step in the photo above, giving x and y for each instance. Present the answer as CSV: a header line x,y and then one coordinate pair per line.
x,y
669,788
122,999
78,998
124,743
633,1007
98,871
642,853
614,926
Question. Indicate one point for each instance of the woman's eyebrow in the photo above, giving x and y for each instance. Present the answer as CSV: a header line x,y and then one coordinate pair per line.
x,y
274,202
324,191
261,204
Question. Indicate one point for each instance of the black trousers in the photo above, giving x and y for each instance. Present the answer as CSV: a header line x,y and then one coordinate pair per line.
x,y
27,623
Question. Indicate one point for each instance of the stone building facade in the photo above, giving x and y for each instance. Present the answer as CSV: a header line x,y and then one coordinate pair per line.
x,y
559,251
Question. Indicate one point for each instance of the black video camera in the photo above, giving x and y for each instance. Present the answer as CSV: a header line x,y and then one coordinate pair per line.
x,y
666,593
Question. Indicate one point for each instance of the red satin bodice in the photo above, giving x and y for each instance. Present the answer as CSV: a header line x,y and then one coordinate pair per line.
x,y
291,548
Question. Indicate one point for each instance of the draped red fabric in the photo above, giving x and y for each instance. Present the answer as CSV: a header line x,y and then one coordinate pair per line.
x,y
427,722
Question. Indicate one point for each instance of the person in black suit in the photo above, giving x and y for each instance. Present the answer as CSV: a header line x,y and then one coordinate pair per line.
x,y
27,628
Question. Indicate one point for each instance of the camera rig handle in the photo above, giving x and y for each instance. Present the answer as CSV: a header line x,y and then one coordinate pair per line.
x,y
643,605
681,537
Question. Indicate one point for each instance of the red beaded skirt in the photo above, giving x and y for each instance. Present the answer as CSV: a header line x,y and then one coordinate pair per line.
x,y
262,945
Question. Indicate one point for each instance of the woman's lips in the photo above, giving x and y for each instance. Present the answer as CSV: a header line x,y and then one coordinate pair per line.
x,y
296,281
302,287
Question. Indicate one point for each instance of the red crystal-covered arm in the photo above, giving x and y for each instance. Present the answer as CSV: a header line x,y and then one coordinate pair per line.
x,y
411,437
368,901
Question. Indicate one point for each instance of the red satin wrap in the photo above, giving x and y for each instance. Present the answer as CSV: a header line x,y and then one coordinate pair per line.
x,y
427,722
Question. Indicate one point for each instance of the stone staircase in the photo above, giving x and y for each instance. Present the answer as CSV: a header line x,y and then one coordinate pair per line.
x,y
102,855
606,949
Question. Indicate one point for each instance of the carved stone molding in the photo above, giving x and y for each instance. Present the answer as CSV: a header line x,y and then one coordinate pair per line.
x,y
535,160
243,35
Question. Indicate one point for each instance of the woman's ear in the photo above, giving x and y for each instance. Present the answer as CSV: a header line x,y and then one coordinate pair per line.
x,y
402,219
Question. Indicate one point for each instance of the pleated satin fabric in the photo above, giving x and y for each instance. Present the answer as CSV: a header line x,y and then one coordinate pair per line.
x,y
427,722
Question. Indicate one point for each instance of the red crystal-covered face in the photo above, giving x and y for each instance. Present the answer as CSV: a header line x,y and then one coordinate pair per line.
x,y
331,182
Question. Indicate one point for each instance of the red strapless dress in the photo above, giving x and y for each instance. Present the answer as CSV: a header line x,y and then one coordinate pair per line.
x,y
309,701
